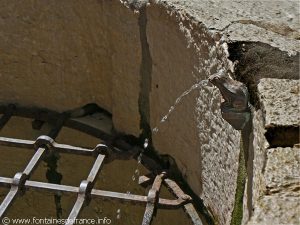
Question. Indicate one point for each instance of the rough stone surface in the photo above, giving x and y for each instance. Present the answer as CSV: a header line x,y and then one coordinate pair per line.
x,y
282,171
280,201
64,54
126,59
255,61
280,101
275,23
260,146
276,210
208,164
53,54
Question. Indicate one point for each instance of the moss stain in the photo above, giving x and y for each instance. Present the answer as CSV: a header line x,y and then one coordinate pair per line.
x,y
237,214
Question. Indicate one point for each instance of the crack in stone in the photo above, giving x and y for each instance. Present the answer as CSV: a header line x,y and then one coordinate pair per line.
x,y
145,76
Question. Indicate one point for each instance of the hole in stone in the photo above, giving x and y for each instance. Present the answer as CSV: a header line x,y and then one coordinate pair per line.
x,y
282,136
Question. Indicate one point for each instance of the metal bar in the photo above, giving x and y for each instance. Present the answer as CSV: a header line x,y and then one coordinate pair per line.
x,y
152,199
28,144
131,198
85,189
34,161
50,187
8,200
16,185
19,180
63,148
72,149
76,209
188,207
96,169
19,143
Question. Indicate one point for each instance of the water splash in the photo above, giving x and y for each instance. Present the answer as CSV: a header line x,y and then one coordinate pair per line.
x,y
119,214
178,100
137,172
140,158
146,143
133,177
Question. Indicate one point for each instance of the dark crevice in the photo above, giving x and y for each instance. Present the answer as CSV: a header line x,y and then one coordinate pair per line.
x,y
282,136
245,172
255,61
145,74
166,162
51,160
145,88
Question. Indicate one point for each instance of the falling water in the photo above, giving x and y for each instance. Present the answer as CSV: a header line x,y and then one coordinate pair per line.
x,y
136,173
119,214
177,101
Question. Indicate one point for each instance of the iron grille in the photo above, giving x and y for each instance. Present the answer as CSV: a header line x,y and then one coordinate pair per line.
x,y
106,151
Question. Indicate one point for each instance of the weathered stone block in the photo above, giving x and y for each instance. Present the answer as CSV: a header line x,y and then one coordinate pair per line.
x,y
280,101
282,171
276,210
65,54
54,55
187,114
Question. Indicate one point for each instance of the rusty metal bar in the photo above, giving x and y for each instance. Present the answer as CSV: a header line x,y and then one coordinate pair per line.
x,y
188,207
152,199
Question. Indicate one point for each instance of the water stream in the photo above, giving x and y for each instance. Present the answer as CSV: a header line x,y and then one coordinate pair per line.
x,y
177,101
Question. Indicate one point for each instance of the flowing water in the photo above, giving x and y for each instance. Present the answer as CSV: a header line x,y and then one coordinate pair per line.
x,y
177,101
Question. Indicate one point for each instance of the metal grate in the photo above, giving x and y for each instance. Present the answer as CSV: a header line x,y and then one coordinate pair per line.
x,y
104,152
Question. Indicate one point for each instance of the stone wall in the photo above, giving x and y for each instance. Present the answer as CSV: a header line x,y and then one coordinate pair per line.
x,y
65,54
145,65
274,193
183,54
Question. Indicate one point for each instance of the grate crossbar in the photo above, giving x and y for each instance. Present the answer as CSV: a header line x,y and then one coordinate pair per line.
x,y
45,145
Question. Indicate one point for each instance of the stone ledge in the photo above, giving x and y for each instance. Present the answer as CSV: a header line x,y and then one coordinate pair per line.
x,y
276,210
281,183
282,174
279,98
272,23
